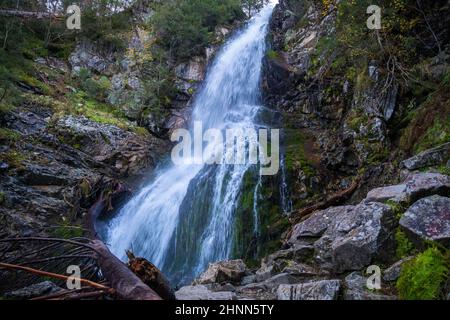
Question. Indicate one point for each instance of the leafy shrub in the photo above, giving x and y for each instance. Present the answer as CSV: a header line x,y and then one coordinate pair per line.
x,y
97,89
422,278
183,26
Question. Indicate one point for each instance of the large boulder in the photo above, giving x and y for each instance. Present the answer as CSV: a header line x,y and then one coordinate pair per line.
x,y
395,193
356,289
200,292
351,236
392,273
314,290
317,224
428,158
420,185
224,271
428,219
415,186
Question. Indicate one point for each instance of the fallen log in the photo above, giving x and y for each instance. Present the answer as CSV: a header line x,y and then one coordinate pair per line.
x,y
128,286
122,278
151,276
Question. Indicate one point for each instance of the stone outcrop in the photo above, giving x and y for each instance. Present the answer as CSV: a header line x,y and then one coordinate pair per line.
x,y
428,158
125,151
428,219
356,289
201,292
315,290
350,236
393,272
224,271
62,162
415,186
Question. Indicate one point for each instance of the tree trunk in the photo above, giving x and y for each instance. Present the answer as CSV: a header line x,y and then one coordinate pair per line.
x,y
122,278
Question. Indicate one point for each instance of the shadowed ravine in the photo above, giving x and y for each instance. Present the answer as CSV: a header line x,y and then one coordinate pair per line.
x,y
185,218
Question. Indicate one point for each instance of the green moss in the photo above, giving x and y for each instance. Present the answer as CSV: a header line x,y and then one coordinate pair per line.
x,y
67,231
8,135
428,125
436,135
363,81
141,131
423,277
272,54
444,170
446,78
2,197
96,111
378,154
397,208
404,247
357,118
295,156
13,158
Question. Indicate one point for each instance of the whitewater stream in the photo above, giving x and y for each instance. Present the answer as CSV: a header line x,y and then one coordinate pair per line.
x,y
184,219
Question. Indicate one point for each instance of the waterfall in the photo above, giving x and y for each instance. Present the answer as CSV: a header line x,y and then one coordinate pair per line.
x,y
184,218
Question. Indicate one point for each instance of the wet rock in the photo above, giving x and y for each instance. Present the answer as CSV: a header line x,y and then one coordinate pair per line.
x,y
356,289
301,270
282,278
225,271
265,272
314,290
424,184
395,193
33,291
317,224
248,279
416,185
350,236
354,236
256,291
393,272
200,292
428,219
427,158
189,74
227,287
297,252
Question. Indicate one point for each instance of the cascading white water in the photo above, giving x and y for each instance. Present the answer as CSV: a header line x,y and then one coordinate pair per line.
x,y
184,219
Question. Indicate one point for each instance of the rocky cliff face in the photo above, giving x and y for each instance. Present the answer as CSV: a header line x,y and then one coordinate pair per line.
x,y
358,130
335,124
341,131
133,74
55,166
